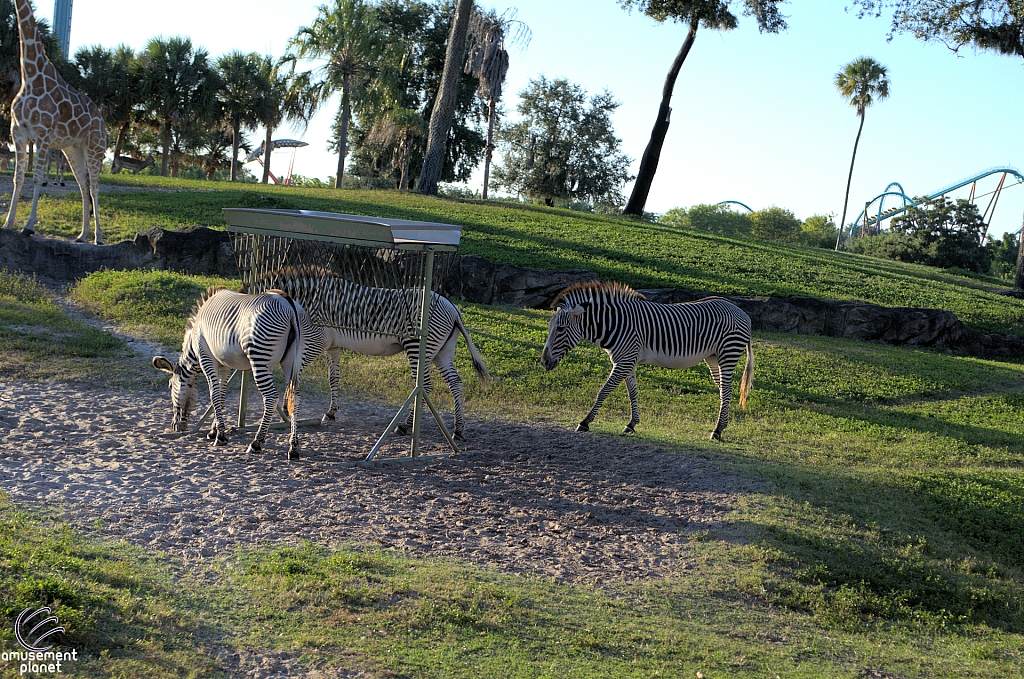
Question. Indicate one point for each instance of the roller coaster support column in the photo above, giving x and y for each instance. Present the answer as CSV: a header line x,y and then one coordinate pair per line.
x,y
1018,275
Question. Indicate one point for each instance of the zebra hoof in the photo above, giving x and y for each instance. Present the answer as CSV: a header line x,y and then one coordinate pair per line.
x,y
402,429
253,448
716,436
212,434
583,426
459,437
293,453
221,440
328,417
628,430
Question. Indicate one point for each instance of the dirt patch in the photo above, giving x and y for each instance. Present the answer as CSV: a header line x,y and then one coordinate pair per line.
x,y
522,498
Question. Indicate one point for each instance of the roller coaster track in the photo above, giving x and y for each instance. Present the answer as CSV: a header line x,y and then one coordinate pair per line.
x,y
865,220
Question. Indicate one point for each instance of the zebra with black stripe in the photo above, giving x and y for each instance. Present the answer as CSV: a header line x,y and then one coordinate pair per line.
x,y
339,301
229,330
633,330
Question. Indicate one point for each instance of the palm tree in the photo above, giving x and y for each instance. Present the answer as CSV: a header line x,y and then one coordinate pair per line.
x,y
112,80
240,93
861,81
444,103
276,102
489,63
347,36
179,86
397,130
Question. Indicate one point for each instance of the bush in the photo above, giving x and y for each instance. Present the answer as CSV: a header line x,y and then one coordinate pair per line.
x,y
716,219
936,233
819,231
775,223
1004,256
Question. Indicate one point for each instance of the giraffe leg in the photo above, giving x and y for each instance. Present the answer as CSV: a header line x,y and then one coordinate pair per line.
x,y
20,161
76,158
94,165
38,175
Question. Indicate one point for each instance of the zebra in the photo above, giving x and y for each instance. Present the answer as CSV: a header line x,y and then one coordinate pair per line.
x,y
633,330
230,330
354,305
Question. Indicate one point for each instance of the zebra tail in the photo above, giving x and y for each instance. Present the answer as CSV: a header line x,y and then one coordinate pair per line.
x,y
478,361
748,376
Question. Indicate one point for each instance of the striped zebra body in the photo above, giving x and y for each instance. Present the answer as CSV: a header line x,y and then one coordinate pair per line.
x,y
633,330
351,305
233,331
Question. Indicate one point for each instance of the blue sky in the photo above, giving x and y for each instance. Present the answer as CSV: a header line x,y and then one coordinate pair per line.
x,y
756,117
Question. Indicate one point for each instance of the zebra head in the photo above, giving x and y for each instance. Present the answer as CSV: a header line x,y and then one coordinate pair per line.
x,y
184,394
564,332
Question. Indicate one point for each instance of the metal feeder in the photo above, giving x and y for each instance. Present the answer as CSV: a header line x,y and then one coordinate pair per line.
x,y
375,252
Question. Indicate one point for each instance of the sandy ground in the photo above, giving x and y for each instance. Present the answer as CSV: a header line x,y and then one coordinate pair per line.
x,y
522,498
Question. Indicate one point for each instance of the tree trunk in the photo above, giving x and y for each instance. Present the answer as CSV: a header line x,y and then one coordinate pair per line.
x,y
489,149
849,180
235,125
343,136
652,154
444,103
122,132
166,141
403,183
268,144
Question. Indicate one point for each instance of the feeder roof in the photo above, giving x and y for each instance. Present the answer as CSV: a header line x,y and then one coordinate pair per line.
x,y
377,232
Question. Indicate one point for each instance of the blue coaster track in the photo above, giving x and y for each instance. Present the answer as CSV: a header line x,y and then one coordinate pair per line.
x,y
869,222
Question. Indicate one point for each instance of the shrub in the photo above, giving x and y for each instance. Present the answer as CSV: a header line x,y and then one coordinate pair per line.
x,y
1004,256
716,219
775,223
819,231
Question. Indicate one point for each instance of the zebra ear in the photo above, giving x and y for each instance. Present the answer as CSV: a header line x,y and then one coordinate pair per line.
x,y
577,311
161,363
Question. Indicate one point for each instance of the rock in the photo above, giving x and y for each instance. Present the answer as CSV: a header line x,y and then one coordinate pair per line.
x,y
478,280
196,250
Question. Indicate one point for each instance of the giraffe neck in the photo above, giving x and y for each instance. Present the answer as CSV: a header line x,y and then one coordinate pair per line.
x,y
33,58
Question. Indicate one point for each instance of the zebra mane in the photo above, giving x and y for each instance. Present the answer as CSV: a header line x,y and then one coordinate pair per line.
x,y
203,299
610,290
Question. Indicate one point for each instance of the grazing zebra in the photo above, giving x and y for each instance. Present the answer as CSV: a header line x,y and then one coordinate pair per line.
x,y
230,330
353,305
633,330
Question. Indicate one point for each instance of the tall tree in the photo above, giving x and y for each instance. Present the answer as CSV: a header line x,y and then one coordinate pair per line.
x,y
563,146
179,86
444,107
489,63
239,95
355,52
711,14
276,102
396,131
112,80
862,82
990,25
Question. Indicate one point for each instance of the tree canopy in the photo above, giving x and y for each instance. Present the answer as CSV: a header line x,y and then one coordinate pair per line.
x,y
996,25
563,146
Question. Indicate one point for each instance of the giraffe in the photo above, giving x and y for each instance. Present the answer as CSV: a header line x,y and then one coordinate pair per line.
x,y
54,115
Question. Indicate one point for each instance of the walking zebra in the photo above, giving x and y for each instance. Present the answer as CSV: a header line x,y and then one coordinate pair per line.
x,y
229,330
359,306
633,330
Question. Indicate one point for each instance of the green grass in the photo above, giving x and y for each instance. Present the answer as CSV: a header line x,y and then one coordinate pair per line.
x,y
39,341
895,493
636,253
130,613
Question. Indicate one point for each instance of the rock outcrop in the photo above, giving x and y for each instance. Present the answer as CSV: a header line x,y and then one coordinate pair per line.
x,y
199,250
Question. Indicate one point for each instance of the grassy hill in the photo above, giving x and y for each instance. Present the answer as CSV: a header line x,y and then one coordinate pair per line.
x,y
639,254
